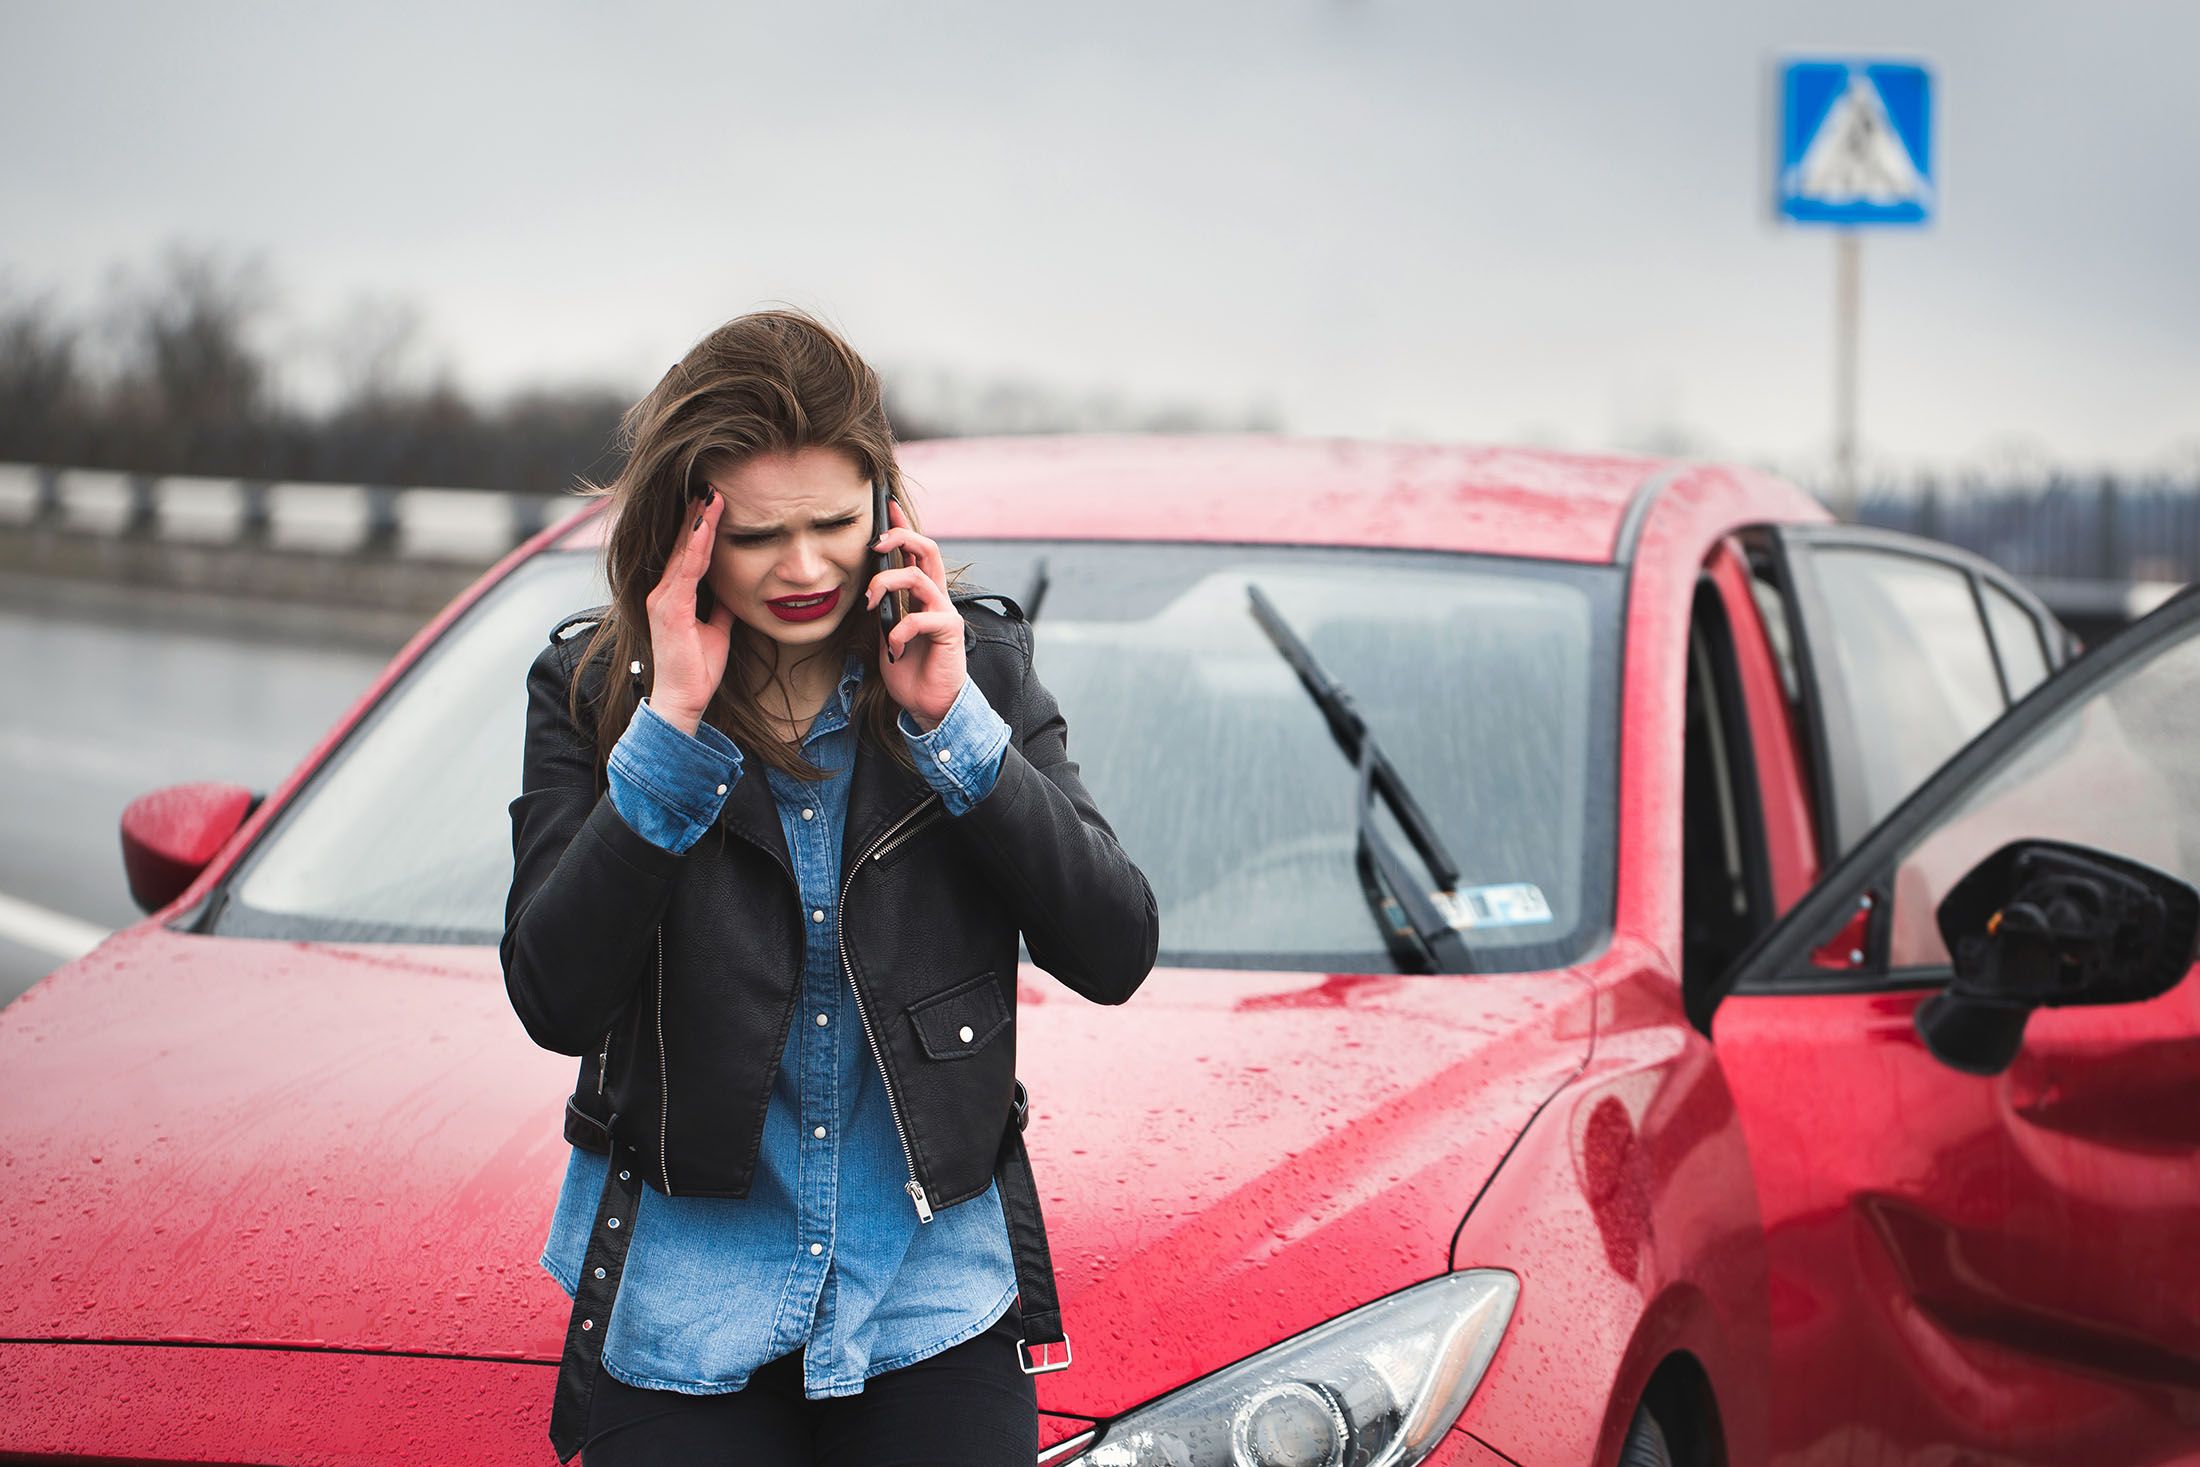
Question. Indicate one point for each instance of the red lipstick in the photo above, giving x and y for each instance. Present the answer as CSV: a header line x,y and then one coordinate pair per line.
x,y
805,608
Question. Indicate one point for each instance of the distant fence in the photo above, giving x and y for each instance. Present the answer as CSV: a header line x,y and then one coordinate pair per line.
x,y
2063,529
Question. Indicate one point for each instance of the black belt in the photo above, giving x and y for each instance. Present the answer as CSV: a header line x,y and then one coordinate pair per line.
x,y
605,1261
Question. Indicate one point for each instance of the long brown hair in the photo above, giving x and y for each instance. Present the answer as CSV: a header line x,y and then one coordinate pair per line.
x,y
769,382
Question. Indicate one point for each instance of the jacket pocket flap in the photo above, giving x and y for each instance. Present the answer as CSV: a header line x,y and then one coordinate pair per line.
x,y
960,1022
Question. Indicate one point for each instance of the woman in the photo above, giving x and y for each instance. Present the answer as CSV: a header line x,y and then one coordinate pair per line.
x,y
769,879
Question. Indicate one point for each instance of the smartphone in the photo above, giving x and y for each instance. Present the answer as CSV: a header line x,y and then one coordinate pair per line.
x,y
889,605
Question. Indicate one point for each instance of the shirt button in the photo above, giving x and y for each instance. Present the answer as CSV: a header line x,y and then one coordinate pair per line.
x,y
818,915
820,1021
945,756
966,1033
819,1133
816,1248
721,789
809,814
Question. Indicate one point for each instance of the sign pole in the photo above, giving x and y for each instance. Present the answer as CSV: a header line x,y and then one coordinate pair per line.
x,y
1847,286
1855,153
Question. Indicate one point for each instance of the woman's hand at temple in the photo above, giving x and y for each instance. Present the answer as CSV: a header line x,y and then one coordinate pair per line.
x,y
689,655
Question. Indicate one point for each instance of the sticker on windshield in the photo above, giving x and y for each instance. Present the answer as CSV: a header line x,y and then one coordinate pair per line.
x,y
1515,904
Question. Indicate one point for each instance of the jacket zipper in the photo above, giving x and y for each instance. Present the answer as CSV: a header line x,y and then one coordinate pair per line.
x,y
913,1187
880,853
603,1061
664,1080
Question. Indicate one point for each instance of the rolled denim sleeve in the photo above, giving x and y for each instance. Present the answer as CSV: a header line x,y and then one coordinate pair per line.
x,y
670,785
962,757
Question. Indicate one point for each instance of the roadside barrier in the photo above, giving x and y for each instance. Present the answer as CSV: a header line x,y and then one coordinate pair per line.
x,y
414,548
472,526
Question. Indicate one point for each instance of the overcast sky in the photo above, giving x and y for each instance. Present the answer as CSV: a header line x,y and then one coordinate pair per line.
x,y
1544,222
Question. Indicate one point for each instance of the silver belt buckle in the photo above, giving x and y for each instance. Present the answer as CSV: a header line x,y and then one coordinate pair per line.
x,y
1023,1358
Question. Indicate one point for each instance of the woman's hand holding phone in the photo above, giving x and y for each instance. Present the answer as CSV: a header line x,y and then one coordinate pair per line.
x,y
928,670
689,653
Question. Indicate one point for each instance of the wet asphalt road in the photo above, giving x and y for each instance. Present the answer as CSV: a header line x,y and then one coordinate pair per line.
x,y
109,695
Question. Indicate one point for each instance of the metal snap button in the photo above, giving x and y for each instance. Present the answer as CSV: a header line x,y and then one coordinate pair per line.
x,y
816,1248
818,915
820,1021
613,1223
721,789
809,814
819,1133
588,1324
599,1273
967,1033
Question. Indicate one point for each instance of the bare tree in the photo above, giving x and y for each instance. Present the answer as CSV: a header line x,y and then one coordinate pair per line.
x,y
187,353
372,347
41,377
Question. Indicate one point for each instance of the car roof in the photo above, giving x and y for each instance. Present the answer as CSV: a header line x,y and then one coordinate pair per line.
x,y
1533,502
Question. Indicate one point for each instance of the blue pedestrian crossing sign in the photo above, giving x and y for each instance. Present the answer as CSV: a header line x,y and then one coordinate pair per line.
x,y
1855,142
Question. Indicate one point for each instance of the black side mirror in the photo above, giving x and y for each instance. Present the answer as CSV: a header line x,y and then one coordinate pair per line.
x,y
2044,924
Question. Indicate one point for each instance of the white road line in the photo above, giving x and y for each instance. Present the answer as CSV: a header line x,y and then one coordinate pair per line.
x,y
49,931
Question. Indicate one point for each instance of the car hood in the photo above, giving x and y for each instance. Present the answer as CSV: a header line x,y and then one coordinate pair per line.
x,y
355,1147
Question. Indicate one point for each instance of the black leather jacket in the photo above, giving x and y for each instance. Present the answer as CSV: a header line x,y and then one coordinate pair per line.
x,y
674,976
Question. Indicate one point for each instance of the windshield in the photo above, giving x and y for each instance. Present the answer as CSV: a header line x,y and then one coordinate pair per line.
x,y
1490,682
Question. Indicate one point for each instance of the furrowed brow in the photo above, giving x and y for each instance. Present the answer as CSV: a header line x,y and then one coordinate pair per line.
x,y
834,517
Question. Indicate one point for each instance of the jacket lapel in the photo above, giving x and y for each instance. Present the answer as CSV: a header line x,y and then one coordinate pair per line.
x,y
880,792
752,815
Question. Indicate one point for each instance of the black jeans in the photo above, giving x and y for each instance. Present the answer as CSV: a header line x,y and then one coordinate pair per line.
x,y
971,1405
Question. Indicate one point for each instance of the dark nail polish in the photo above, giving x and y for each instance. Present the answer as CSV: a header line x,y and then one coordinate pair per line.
x,y
698,523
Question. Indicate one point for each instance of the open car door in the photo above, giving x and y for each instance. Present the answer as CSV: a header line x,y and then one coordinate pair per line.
x,y
1990,1266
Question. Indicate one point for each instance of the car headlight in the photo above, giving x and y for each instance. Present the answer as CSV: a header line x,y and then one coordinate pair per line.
x,y
1373,1388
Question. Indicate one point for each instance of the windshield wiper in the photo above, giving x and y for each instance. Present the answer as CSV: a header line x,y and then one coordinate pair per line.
x,y
1036,592
1418,936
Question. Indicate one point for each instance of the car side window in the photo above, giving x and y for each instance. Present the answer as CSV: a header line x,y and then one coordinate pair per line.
x,y
2117,770
1913,656
2017,639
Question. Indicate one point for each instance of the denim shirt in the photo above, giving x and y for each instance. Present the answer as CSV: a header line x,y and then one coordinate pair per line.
x,y
825,1253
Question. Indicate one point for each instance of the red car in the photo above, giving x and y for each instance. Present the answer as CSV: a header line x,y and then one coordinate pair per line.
x,y
1557,1048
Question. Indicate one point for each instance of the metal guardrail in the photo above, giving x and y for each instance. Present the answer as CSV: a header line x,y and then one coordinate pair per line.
x,y
468,526
377,546
354,561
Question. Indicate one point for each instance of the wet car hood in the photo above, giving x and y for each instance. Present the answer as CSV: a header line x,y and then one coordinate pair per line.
x,y
355,1147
